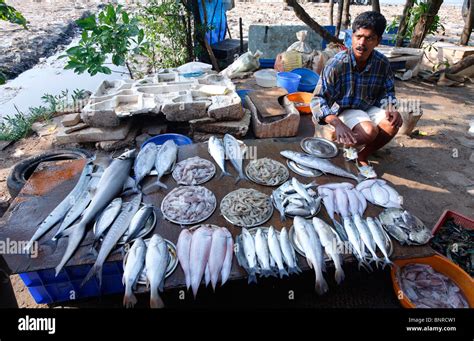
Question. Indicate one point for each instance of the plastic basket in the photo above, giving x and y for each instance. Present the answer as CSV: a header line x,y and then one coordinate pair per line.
x,y
179,139
46,288
458,218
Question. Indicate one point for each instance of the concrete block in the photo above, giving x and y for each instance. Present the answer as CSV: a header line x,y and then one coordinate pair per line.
x,y
237,128
94,134
71,119
226,108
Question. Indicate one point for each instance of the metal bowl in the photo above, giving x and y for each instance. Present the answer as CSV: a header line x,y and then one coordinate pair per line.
x,y
319,147
188,222
172,263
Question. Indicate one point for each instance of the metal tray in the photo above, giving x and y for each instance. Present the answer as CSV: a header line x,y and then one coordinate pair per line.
x,y
149,226
257,181
172,263
303,170
319,147
264,220
197,183
280,189
190,222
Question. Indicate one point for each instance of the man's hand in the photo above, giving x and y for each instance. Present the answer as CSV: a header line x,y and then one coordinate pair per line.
x,y
394,118
344,134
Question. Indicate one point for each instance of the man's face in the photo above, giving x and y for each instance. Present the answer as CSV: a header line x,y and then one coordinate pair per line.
x,y
364,40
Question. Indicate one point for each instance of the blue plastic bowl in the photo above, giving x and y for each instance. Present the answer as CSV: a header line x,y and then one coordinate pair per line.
x,y
242,93
267,63
308,81
289,81
179,139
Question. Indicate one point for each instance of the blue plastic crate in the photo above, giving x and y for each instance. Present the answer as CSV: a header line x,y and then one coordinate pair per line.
x,y
45,288
332,30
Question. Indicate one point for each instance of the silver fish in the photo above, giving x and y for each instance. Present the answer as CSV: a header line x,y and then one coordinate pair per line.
x,y
114,234
279,205
378,236
217,255
229,252
263,254
199,255
138,221
144,162
288,252
107,217
183,248
250,253
323,165
234,153
275,251
366,237
110,185
164,161
60,211
216,149
156,261
132,271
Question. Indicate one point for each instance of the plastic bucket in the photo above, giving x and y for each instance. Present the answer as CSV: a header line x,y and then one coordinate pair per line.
x,y
289,81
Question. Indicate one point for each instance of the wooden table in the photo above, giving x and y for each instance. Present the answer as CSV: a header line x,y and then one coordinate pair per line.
x,y
53,181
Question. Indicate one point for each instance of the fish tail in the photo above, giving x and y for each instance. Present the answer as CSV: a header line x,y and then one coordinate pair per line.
x,y
267,273
155,300
321,286
95,270
252,277
339,275
283,272
224,173
77,233
153,187
293,270
129,300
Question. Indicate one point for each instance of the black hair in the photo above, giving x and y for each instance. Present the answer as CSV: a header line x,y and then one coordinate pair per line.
x,y
371,20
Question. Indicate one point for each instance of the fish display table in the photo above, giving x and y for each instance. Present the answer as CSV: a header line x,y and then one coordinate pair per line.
x,y
51,182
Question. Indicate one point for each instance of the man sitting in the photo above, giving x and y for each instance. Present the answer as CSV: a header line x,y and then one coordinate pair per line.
x,y
355,94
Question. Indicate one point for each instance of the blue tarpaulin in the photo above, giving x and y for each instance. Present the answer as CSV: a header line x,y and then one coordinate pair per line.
x,y
216,20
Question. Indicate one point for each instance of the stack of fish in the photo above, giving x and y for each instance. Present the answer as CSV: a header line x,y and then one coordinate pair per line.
x,y
153,260
296,199
164,162
205,251
378,192
230,148
264,251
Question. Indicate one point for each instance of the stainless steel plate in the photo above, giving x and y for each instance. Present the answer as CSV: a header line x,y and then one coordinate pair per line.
x,y
260,182
279,191
303,170
209,177
172,263
263,220
319,147
187,222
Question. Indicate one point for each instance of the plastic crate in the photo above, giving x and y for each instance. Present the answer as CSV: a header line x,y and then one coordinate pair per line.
x,y
458,218
46,288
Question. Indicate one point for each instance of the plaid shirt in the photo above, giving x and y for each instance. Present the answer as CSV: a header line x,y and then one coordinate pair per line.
x,y
341,85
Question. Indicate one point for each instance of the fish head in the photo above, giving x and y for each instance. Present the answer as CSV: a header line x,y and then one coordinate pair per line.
x,y
129,154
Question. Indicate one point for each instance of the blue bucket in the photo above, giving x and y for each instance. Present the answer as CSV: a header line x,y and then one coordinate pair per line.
x,y
289,81
242,93
179,139
308,81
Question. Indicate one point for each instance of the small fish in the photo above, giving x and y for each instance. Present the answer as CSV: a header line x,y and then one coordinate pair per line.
x,y
217,255
263,254
275,251
216,149
164,161
183,248
250,253
199,255
132,271
156,262
229,252
288,252
144,162
233,150
139,221
107,217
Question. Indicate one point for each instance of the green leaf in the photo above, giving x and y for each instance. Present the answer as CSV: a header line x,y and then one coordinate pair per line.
x,y
88,23
74,50
125,18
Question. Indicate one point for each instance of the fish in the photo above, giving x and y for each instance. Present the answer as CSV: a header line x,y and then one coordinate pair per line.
x,y
199,256
183,249
144,162
116,231
229,252
132,271
279,205
329,241
250,253
353,201
164,161
215,147
139,221
64,206
342,204
263,254
368,183
362,201
217,255
275,251
366,237
109,186
288,252
234,153
107,217
156,261
301,191
354,238
328,200
379,238
323,165
335,185
380,194
313,252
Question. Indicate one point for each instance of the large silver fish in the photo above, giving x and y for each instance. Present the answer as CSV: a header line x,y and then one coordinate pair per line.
x,y
64,206
132,271
107,217
144,162
110,185
183,249
233,150
288,252
323,165
113,235
164,162
216,149
199,255
156,262
229,252
217,255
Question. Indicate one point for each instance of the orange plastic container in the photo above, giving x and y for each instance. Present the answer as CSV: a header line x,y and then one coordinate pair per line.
x,y
442,265
301,101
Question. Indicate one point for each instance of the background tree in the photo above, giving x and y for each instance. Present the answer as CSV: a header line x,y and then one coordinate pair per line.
x,y
402,28
468,25
346,17
425,22
376,5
